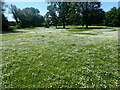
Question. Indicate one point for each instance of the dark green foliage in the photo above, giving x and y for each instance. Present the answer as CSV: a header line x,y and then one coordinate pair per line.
x,y
75,17
91,13
112,17
119,16
15,11
52,15
76,13
31,17
12,23
27,17
5,23
47,20
63,11
87,13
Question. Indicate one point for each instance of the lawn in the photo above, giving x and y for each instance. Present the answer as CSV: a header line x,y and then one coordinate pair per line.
x,y
60,58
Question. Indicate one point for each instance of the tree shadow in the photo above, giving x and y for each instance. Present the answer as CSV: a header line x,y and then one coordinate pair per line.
x,y
12,32
62,28
99,28
85,28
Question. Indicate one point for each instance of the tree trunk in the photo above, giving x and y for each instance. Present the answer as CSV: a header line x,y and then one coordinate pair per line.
x,y
56,26
86,15
86,25
15,17
63,24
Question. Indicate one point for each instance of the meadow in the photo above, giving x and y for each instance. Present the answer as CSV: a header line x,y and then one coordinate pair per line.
x,y
60,58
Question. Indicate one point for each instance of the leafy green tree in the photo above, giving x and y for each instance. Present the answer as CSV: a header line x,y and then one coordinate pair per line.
x,y
112,17
5,23
47,19
30,16
75,17
87,13
62,11
27,17
91,13
15,11
52,15
119,16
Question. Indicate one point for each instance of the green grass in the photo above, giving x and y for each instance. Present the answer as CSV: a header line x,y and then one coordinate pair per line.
x,y
49,58
77,30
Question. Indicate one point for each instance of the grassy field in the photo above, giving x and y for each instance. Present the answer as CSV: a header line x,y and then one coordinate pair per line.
x,y
60,58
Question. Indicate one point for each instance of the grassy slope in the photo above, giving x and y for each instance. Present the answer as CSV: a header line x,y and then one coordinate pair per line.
x,y
60,58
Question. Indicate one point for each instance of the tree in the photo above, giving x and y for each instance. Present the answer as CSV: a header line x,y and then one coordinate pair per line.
x,y
5,23
91,13
87,13
47,19
112,17
27,17
63,11
75,17
119,16
52,15
15,11
30,16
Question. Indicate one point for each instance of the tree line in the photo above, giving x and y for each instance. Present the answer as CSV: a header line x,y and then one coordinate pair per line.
x,y
75,13
62,14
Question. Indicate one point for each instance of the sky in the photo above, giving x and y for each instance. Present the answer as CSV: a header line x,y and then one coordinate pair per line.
x,y
42,6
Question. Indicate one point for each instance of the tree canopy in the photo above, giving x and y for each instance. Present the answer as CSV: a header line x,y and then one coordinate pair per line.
x,y
87,13
51,16
63,13
5,23
27,17
113,17
91,13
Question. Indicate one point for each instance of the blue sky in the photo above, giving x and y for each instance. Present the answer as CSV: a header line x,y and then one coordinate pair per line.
x,y
42,6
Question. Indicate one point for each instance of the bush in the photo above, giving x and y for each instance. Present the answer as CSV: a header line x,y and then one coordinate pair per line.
x,y
11,28
18,26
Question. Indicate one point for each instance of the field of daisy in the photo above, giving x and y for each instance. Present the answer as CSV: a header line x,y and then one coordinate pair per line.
x,y
60,58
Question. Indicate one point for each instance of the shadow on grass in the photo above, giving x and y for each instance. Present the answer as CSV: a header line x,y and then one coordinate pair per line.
x,y
62,28
16,31
87,33
12,32
85,28
77,30
99,28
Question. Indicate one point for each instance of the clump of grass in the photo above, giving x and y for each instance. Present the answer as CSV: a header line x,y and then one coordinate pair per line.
x,y
114,30
42,35
73,44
